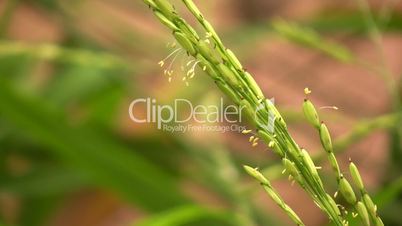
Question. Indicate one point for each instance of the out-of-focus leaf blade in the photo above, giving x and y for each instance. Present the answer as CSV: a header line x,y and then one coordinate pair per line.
x,y
53,52
46,181
351,22
389,193
97,156
36,210
311,39
184,215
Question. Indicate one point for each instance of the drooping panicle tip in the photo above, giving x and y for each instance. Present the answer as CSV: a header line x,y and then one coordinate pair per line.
x,y
250,170
256,174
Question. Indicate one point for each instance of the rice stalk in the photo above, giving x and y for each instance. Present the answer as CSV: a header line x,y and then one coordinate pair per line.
x,y
225,69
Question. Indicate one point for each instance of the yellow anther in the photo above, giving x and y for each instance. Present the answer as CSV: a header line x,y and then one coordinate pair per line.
x,y
307,91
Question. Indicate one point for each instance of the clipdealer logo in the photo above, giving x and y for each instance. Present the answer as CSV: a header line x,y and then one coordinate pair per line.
x,y
181,114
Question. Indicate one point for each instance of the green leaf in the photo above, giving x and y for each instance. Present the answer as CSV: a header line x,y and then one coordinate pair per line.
x,y
96,155
51,52
311,39
388,193
45,181
184,215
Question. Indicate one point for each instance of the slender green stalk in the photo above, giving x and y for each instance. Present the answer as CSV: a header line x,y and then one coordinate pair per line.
x,y
53,52
386,73
273,194
225,69
377,39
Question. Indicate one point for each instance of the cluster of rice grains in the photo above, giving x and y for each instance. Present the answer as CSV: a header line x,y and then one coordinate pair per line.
x,y
210,55
364,207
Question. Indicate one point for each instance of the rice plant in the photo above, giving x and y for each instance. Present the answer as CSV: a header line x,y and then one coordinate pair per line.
x,y
221,64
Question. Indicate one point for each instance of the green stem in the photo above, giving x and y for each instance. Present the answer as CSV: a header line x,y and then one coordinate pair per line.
x,y
274,194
